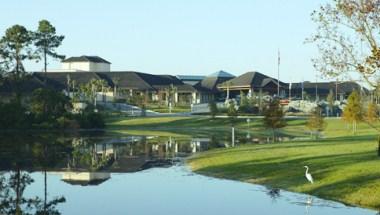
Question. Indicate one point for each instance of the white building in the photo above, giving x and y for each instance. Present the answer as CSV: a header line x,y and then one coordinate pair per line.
x,y
86,63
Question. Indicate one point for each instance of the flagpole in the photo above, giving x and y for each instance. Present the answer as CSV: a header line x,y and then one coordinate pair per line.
x,y
278,74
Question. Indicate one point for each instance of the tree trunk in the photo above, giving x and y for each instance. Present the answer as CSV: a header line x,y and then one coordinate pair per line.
x,y
45,66
45,190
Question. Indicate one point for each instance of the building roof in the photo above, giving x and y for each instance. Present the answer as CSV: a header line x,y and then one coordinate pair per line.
x,y
325,87
252,80
222,74
58,80
123,79
190,77
210,83
85,58
26,85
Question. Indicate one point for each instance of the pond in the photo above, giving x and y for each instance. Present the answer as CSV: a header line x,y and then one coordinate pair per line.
x,y
98,173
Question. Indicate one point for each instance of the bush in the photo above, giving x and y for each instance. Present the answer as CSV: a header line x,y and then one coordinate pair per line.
x,y
89,120
14,116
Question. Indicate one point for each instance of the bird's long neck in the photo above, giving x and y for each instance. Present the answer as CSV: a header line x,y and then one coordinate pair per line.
x,y
307,170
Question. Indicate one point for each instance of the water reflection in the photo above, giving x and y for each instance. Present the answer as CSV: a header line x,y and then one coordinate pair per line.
x,y
70,161
81,159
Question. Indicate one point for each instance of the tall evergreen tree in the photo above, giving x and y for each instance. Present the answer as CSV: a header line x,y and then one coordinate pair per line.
x,y
46,40
15,47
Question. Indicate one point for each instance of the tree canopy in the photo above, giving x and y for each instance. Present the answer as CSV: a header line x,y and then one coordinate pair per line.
x,y
353,111
347,37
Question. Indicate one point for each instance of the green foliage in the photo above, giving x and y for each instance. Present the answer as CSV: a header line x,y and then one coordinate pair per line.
x,y
48,104
90,89
14,116
274,116
213,108
330,101
245,105
316,122
353,111
15,46
372,114
341,25
231,111
88,120
46,41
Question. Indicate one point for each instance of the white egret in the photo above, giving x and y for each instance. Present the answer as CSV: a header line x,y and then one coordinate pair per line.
x,y
308,175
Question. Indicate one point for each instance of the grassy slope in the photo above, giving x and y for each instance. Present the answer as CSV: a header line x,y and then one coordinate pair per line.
x,y
193,125
345,167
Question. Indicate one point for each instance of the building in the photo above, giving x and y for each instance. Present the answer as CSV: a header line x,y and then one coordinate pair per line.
x,y
207,89
190,79
86,63
122,85
320,90
252,82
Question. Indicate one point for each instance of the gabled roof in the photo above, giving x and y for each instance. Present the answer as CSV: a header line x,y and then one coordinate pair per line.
x,y
221,74
28,85
85,58
210,83
124,79
58,80
252,80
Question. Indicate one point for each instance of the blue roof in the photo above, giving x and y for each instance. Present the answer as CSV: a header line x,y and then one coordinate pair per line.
x,y
222,74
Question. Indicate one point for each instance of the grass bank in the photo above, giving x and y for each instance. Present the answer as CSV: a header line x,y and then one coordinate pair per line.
x,y
196,125
346,168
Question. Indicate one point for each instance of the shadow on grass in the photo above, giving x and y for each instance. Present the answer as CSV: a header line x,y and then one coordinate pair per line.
x,y
288,173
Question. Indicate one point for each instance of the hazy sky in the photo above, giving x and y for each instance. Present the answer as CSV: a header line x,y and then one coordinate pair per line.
x,y
179,36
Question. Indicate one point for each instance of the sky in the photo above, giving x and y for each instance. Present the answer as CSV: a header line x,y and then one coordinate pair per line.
x,y
196,37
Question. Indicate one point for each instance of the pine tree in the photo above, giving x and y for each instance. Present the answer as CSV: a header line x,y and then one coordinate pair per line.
x,y
46,41
353,112
274,116
316,122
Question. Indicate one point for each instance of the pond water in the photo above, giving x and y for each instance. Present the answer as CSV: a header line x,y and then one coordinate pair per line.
x,y
110,174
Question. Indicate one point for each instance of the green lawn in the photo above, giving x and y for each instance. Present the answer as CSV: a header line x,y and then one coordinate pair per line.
x,y
165,109
346,168
196,125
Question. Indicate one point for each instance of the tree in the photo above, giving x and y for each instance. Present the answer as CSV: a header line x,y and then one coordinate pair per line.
x,y
353,112
46,41
15,46
46,103
274,116
171,92
244,103
213,108
92,87
231,111
347,39
316,122
372,114
330,102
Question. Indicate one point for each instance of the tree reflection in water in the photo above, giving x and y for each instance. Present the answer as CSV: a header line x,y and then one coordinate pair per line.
x,y
19,157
